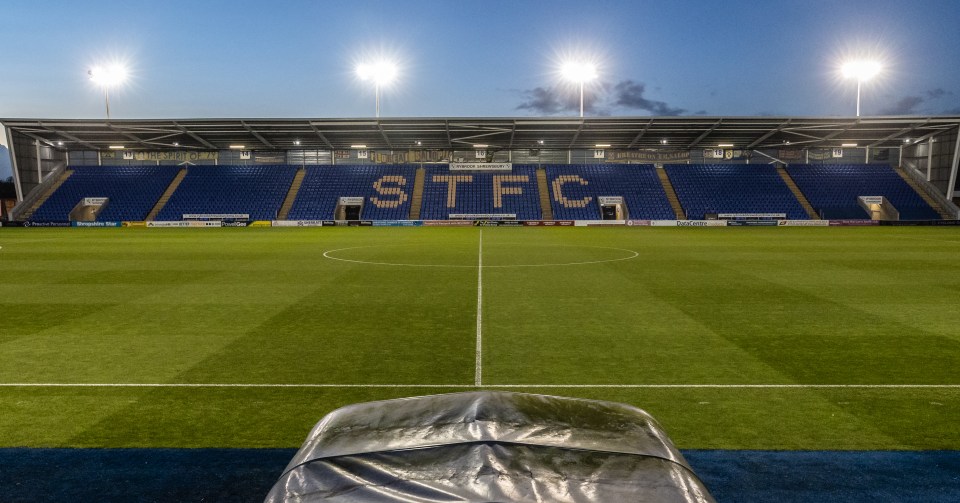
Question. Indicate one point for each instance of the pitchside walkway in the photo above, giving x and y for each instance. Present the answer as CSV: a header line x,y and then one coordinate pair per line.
x,y
175,475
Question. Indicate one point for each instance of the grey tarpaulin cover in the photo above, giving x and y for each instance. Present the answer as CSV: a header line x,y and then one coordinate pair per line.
x,y
488,446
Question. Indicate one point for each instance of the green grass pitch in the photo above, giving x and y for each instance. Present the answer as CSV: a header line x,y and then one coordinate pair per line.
x,y
658,318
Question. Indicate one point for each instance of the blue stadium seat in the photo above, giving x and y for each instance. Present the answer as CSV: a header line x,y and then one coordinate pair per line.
x,y
476,194
574,190
732,188
132,190
833,190
254,190
386,189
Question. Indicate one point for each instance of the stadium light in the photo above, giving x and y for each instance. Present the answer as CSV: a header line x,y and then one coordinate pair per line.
x,y
862,70
107,77
579,73
381,73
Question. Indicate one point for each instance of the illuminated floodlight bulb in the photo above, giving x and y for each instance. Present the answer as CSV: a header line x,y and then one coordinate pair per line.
x,y
579,71
862,70
108,76
381,72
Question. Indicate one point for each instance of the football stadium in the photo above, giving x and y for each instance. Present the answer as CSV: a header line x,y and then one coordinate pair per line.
x,y
785,312
561,306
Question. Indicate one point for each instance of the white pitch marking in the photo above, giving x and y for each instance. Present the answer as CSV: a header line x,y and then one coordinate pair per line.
x,y
478,371
518,386
633,255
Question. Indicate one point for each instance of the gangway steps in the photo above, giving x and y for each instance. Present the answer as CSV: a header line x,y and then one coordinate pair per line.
x,y
671,194
166,195
787,179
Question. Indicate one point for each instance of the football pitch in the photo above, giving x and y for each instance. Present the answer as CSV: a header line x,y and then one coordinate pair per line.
x,y
753,338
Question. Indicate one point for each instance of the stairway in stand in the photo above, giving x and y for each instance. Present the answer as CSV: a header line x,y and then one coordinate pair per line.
x,y
944,213
671,194
787,179
166,195
46,195
417,200
291,194
546,210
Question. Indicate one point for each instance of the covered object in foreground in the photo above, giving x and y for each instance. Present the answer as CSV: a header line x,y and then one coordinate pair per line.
x,y
488,446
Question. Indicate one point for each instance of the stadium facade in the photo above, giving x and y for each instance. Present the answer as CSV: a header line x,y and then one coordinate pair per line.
x,y
925,149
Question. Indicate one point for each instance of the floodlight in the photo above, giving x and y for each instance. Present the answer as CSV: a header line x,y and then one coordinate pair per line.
x,y
862,70
381,73
107,77
579,72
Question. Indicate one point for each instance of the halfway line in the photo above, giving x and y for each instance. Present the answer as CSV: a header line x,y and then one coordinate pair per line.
x,y
478,368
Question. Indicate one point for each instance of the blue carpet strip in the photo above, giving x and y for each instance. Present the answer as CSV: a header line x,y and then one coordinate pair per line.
x,y
208,475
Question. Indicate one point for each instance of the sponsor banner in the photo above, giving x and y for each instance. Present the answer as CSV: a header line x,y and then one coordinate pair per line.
x,y
239,223
160,156
397,223
848,223
260,223
185,223
752,223
599,223
481,166
447,223
919,222
482,216
872,199
638,223
486,223
297,223
803,223
95,201
11,224
351,201
688,223
96,224
134,224
610,199
733,216
216,216
46,224
790,154
548,223
648,156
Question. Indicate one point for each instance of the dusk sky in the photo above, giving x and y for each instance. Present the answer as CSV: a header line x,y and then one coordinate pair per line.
x,y
478,58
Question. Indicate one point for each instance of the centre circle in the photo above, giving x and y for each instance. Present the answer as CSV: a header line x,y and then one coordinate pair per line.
x,y
505,255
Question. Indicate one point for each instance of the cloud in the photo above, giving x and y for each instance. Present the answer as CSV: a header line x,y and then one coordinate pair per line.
x,y
906,106
542,100
701,112
550,100
937,93
629,94
952,111
599,100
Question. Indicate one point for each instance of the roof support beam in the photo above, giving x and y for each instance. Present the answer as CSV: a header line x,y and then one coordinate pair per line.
x,y
196,137
898,133
321,136
383,134
257,135
706,133
70,137
640,134
768,134
576,135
